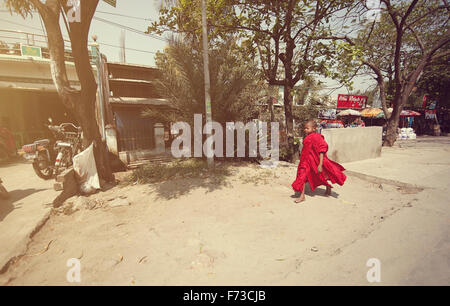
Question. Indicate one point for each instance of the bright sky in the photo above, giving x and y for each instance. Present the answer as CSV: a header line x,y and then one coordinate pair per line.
x,y
143,13
107,33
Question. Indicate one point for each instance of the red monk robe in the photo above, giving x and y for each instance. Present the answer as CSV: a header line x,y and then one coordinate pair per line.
x,y
313,144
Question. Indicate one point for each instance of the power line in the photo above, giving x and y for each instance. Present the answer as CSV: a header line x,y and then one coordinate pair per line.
x,y
130,29
22,25
101,20
101,44
127,16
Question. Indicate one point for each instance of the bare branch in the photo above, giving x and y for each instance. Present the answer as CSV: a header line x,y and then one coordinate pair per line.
x,y
419,41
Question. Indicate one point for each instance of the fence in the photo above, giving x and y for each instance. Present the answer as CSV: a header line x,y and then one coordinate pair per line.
x,y
11,40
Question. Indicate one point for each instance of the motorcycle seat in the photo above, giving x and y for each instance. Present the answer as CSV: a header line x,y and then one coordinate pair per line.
x,y
42,142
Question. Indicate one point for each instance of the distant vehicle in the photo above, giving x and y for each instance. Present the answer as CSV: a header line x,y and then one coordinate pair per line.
x,y
7,145
49,157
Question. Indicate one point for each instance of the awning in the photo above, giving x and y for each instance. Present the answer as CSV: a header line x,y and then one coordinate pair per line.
x,y
138,101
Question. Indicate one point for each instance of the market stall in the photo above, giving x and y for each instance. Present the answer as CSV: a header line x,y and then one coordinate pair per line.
x,y
351,118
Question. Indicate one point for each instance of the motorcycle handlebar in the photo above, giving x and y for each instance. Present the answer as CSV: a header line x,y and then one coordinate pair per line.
x,y
71,124
60,128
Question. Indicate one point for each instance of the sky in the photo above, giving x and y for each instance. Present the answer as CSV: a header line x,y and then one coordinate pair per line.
x,y
141,48
107,33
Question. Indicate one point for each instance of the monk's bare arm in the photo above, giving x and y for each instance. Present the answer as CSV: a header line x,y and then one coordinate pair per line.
x,y
319,168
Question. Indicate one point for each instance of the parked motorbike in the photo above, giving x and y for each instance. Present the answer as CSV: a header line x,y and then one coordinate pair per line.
x,y
3,192
48,157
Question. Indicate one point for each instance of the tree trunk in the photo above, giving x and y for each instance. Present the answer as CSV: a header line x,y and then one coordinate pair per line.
x,y
289,118
391,129
81,103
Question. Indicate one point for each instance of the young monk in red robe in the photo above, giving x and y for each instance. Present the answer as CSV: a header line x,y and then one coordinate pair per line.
x,y
315,167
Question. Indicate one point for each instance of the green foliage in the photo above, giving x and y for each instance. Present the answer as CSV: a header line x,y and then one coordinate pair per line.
x,y
21,7
378,42
283,35
435,81
185,16
310,102
235,89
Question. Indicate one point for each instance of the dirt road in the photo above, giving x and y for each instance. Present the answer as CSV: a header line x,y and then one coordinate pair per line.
x,y
246,230
30,200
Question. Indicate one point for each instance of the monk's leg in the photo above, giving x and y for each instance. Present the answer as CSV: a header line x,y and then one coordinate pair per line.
x,y
302,196
328,191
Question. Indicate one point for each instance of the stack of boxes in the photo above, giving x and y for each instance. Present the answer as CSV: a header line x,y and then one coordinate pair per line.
x,y
406,133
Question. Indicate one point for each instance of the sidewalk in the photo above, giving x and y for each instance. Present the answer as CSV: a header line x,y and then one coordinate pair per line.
x,y
413,244
26,210
423,162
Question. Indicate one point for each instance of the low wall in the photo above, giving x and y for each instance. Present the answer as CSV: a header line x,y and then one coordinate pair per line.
x,y
353,144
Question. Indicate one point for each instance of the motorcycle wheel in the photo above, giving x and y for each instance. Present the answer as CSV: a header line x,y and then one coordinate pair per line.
x,y
42,167
3,192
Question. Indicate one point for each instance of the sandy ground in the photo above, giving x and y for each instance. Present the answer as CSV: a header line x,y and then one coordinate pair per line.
x,y
30,201
245,230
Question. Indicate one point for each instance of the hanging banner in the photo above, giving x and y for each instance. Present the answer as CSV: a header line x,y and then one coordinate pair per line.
x,y
351,101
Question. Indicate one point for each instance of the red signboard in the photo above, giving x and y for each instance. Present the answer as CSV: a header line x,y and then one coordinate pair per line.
x,y
351,101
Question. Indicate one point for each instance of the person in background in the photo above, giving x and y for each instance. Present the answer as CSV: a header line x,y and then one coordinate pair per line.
x,y
360,123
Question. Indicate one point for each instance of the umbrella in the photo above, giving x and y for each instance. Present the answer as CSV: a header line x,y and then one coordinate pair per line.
x,y
380,115
349,112
371,112
409,113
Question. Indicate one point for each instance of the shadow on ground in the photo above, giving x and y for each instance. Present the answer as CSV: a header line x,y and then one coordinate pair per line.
x,y
8,205
13,162
180,178
320,191
176,188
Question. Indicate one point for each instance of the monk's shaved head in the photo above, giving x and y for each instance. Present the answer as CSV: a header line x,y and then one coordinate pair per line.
x,y
311,123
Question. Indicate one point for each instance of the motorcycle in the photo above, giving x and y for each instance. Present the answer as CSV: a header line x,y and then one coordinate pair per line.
x,y
50,157
3,192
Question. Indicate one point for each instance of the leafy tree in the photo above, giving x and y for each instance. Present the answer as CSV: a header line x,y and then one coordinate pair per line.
x,y
309,101
435,81
234,89
398,47
80,102
283,35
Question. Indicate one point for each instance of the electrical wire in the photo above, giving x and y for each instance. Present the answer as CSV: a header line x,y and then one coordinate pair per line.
x,y
104,44
121,15
22,25
130,29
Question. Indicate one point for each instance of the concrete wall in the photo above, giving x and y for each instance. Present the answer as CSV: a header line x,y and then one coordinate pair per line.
x,y
353,144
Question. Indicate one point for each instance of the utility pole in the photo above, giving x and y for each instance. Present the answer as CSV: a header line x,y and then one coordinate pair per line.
x,y
122,46
207,82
